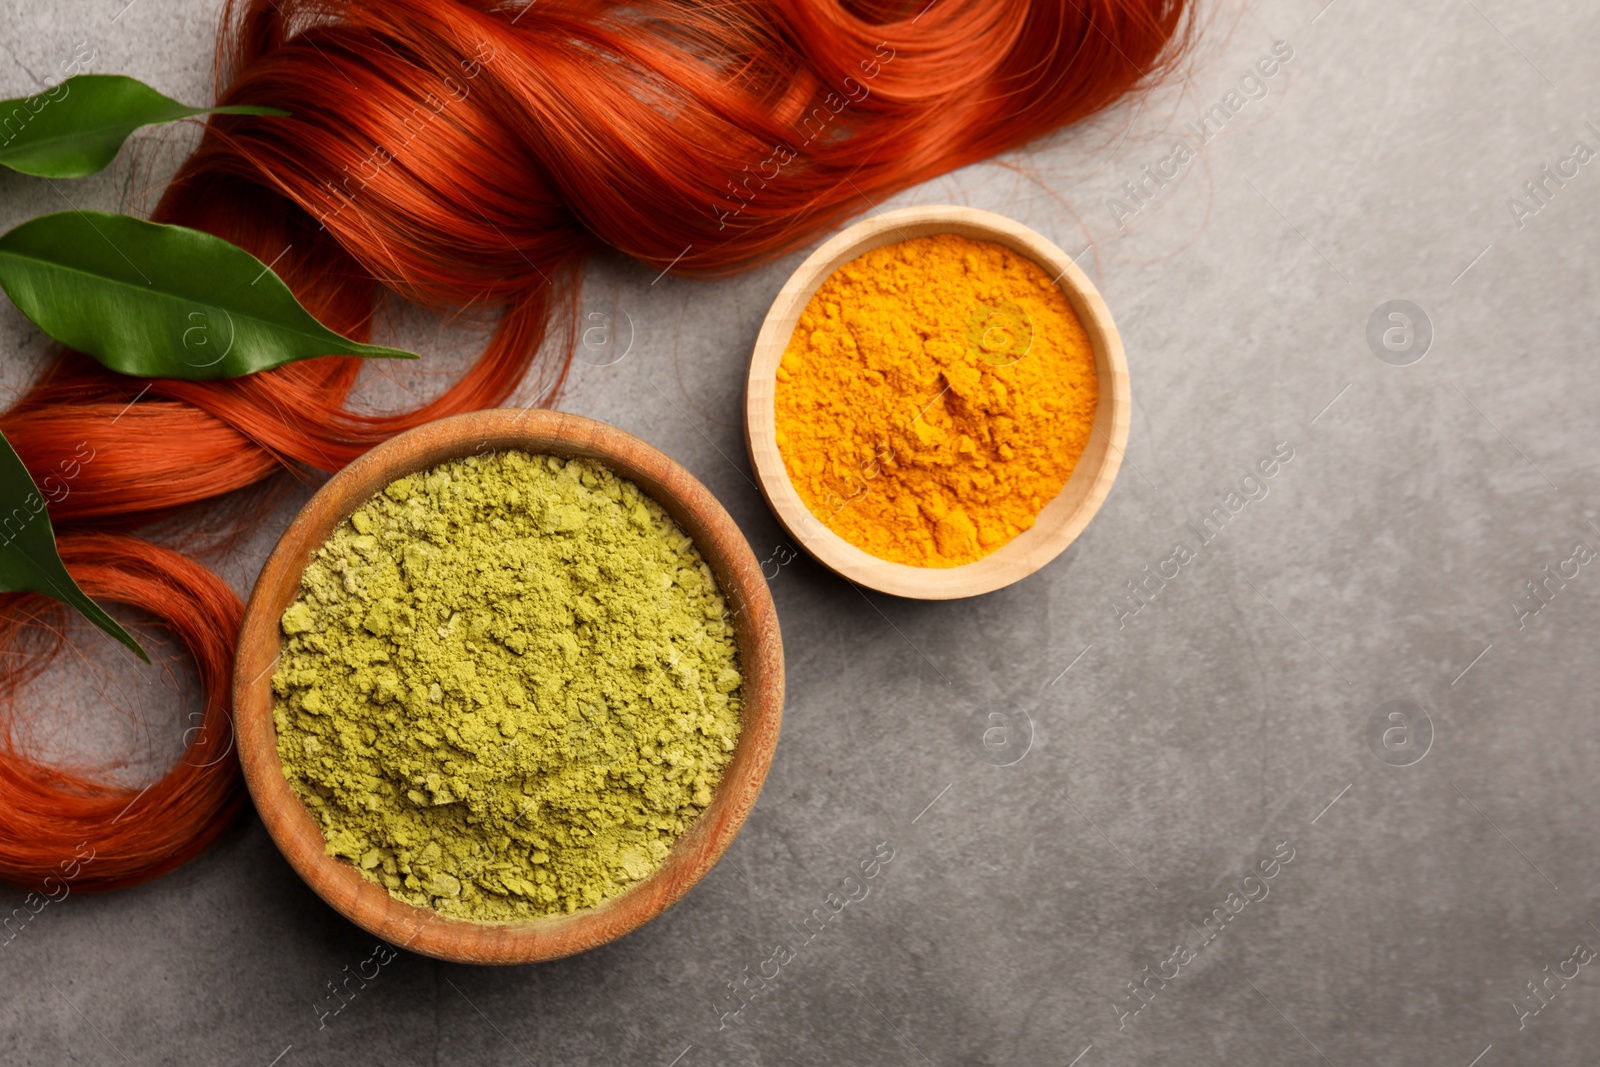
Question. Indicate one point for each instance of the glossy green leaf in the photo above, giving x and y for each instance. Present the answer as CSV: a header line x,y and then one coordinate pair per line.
x,y
29,562
159,301
76,128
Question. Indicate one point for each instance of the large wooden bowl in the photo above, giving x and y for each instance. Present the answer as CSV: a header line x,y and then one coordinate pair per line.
x,y
422,930
1061,520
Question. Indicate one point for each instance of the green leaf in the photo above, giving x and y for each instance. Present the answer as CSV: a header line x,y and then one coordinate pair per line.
x,y
159,301
29,562
76,128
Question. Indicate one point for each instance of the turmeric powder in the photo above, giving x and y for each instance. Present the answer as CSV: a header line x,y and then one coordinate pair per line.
x,y
935,396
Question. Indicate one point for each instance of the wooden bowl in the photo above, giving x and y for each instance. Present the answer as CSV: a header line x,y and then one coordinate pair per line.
x,y
297,834
1060,521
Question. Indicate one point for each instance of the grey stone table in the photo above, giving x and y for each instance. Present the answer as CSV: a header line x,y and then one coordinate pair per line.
x,y
1349,687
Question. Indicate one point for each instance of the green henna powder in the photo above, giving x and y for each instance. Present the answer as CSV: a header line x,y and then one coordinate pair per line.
x,y
509,684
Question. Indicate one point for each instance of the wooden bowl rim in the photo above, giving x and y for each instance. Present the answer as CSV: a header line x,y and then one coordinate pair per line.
x,y
1057,525
422,930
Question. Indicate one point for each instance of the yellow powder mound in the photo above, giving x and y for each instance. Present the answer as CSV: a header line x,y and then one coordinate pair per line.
x,y
935,396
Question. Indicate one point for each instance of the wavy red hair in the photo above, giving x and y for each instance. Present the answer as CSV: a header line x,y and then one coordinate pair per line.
x,y
474,152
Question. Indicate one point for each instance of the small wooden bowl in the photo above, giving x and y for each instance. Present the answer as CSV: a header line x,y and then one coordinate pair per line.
x,y
1061,520
297,834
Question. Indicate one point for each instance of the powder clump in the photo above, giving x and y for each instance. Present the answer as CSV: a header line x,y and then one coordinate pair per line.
x,y
509,684
935,396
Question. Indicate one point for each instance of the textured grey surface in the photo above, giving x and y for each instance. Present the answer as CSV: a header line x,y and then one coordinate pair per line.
x,y
1181,745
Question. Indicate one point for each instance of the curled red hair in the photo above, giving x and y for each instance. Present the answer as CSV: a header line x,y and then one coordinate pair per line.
x,y
53,815
473,152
